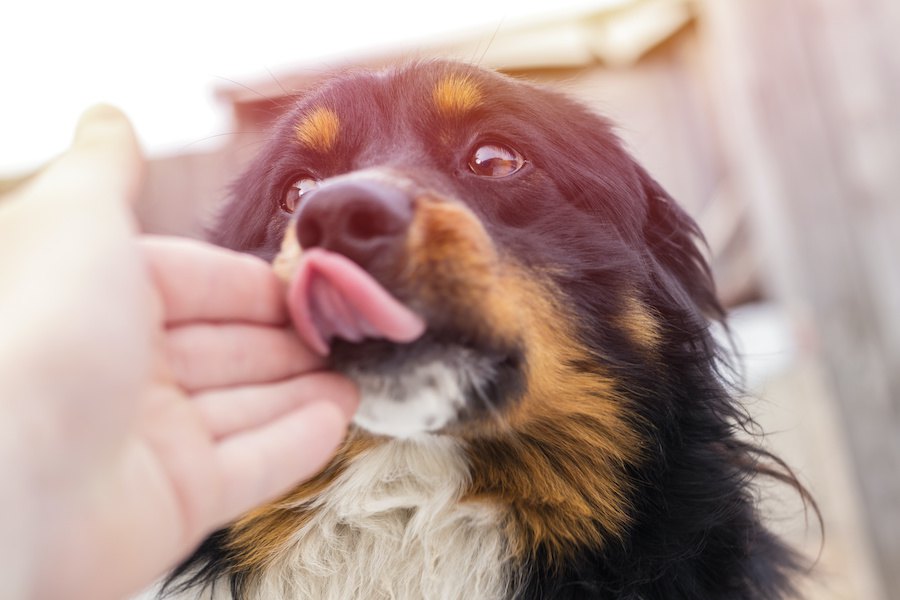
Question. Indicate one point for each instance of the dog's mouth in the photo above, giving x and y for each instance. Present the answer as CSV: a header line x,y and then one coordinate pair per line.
x,y
422,346
331,297
416,376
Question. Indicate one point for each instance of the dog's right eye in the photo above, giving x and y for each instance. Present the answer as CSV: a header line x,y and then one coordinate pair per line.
x,y
294,194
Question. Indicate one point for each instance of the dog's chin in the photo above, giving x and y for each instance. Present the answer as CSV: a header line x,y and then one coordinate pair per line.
x,y
423,388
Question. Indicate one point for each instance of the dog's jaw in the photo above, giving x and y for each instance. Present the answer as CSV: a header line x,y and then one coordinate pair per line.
x,y
422,399
425,400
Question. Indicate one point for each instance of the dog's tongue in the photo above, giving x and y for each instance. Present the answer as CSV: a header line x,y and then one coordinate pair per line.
x,y
331,296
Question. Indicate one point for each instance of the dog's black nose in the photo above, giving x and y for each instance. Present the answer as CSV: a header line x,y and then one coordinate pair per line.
x,y
359,219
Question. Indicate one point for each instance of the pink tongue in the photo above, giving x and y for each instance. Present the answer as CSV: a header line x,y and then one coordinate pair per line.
x,y
331,296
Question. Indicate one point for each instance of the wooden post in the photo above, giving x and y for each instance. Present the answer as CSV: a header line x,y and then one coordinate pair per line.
x,y
809,109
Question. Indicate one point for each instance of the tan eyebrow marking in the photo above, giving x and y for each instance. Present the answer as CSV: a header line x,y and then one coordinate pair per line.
x,y
319,129
455,94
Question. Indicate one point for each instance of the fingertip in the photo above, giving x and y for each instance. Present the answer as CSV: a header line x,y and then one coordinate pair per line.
x,y
347,397
101,122
104,132
258,466
331,413
320,427
200,281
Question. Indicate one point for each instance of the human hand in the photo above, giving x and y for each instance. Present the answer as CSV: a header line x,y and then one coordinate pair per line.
x,y
149,391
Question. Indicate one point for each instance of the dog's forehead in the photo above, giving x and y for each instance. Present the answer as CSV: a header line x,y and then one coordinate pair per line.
x,y
372,103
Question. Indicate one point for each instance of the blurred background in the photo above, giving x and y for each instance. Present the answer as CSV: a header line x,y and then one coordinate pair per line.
x,y
776,124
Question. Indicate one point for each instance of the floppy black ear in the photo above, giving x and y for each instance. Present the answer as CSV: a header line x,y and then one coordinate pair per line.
x,y
244,222
676,245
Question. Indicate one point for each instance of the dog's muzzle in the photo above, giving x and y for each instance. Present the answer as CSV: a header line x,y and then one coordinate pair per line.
x,y
403,288
351,232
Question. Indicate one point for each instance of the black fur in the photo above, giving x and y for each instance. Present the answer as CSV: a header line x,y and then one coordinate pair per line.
x,y
585,208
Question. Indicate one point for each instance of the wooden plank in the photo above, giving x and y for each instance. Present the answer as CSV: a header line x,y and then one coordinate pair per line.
x,y
182,193
809,109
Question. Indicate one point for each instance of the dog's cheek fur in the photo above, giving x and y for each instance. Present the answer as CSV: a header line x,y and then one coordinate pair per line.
x,y
537,463
694,481
693,471
245,221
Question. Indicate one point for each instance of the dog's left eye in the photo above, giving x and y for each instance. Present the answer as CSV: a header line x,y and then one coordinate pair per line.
x,y
495,160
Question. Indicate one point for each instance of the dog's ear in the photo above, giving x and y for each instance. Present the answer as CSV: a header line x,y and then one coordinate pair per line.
x,y
677,246
243,221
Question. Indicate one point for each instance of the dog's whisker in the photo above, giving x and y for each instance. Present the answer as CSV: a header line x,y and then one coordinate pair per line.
x,y
244,86
218,135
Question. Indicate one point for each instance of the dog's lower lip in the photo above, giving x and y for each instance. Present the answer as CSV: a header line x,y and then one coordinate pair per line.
x,y
385,357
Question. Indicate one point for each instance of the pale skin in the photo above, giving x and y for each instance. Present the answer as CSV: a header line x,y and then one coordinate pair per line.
x,y
151,389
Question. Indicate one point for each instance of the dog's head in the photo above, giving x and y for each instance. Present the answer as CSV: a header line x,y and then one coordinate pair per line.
x,y
491,266
542,259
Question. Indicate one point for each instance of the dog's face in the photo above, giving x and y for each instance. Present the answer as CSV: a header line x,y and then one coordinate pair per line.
x,y
512,291
506,217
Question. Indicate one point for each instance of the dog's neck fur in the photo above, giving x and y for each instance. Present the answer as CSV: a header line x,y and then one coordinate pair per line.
x,y
392,527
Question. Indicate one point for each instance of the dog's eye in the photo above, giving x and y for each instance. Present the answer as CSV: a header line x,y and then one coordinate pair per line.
x,y
291,199
495,160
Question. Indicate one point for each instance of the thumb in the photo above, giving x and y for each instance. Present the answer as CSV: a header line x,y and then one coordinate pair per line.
x,y
103,166
104,133
75,213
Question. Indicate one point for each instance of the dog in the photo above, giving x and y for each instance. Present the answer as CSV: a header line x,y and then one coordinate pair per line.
x,y
527,315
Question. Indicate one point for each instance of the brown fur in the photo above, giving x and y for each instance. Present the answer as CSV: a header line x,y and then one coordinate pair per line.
x,y
318,130
454,95
555,459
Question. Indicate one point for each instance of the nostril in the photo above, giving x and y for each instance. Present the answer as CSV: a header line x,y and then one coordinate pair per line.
x,y
361,226
366,224
359,219
309,233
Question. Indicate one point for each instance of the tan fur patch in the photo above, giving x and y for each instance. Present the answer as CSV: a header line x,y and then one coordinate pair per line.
x,y
288,258
639,322
555,460
558,461
318,130
452,263
456,94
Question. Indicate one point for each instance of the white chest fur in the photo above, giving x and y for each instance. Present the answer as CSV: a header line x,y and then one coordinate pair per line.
x,y
391,527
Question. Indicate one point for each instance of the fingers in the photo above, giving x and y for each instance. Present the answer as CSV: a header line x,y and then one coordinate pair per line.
x,y
260,464
230,411
207,355
198,281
